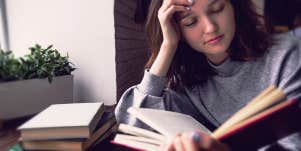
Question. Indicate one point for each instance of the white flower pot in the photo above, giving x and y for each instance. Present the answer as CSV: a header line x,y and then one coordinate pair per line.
x,y
26,97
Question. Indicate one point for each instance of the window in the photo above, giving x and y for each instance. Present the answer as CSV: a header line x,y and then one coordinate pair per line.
x,y
4,44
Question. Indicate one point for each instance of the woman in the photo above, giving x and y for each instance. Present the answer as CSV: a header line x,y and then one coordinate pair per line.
x,y
212,56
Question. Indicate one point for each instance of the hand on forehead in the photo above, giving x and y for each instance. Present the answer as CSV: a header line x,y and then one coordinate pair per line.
x,y
186,3
167,3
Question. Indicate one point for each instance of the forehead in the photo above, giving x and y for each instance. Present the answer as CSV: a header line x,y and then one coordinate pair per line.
x,y
200,5
203,4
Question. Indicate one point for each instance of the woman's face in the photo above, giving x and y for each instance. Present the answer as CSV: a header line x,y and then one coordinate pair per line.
x,y
209,27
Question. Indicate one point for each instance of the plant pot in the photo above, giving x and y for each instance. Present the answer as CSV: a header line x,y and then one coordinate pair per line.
x,y
27,97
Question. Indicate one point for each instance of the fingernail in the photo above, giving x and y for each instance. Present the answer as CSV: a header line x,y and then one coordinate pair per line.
x,y
187,8
190,1
196,137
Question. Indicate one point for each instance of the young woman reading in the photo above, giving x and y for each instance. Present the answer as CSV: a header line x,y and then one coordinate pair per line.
x,y
209,58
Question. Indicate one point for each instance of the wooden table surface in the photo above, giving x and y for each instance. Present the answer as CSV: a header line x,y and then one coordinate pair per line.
x,y
9,136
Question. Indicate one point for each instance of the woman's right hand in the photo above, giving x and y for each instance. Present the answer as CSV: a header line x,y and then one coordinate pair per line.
x,y
170,32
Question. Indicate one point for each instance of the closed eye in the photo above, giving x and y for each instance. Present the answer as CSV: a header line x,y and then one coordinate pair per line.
x,y
220,8
190,22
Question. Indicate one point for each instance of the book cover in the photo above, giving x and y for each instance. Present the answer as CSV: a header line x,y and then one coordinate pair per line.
x,y
58,121
266,127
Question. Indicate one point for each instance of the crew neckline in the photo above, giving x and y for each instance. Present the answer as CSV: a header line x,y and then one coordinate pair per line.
x,y
227,68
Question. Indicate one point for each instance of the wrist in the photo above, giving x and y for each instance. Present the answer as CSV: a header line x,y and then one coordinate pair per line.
x,y
169,45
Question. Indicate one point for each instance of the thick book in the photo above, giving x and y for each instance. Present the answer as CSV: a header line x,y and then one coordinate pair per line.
x,y
105,127
63,121
267,118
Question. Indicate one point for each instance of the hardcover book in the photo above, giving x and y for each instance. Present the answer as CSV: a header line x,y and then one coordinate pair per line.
x,y
63,121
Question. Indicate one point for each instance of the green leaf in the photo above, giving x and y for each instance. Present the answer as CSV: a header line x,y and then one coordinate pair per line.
x,y
39,63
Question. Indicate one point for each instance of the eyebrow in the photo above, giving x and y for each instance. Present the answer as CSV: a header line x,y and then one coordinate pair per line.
x,y
181,17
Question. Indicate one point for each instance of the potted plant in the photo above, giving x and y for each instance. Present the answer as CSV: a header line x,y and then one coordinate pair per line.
x,y
29,84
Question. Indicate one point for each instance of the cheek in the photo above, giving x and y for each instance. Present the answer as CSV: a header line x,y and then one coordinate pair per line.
x,y
191,35
228,21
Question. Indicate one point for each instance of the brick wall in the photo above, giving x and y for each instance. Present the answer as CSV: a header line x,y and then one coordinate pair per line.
x,y
131,47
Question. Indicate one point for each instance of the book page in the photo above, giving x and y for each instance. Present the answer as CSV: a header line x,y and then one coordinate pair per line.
x,y
139,139
128,129
167,123
136,144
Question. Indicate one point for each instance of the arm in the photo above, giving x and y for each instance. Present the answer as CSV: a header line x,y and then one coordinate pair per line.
x,y
146,94
288,69
290,80
149,93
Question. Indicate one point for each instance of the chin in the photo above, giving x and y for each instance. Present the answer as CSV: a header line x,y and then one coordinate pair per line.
x,y
218,50
213,50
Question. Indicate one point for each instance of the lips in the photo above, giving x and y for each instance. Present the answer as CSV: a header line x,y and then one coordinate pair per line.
x,y
214,40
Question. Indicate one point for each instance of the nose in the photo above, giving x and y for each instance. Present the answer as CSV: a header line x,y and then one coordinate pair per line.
x,y
209,25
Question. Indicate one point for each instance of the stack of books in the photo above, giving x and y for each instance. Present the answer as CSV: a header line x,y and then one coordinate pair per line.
x,y
77,127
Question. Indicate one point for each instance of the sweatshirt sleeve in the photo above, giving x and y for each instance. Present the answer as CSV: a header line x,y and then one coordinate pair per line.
x,y
291,78
290,83
149,94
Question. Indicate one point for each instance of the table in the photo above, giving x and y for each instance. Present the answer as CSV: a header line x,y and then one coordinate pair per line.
x,y
11,137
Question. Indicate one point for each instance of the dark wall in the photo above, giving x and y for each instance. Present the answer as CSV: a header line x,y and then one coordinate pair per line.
x,y
131,48
281,12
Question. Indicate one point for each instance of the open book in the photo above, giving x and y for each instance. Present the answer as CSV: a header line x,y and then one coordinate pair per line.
x,y
267,118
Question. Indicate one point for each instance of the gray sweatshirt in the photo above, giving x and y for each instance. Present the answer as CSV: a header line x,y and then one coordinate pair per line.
x,y
222,95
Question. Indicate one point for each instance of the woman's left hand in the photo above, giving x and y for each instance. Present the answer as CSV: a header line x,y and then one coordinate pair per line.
x,y
196,141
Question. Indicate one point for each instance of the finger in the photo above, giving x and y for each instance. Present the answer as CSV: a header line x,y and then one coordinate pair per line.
x,y
178,143
167,3
217,145
169,147
171,10
200,139
206,142
188,142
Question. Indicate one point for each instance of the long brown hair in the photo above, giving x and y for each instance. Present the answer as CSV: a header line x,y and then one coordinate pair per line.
x,y
189,67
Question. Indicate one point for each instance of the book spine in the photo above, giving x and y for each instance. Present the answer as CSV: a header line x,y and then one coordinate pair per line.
x,y
96,119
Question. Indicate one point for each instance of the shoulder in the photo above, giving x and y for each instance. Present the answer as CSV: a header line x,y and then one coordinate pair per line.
x,y
284,44
286,48
282,63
